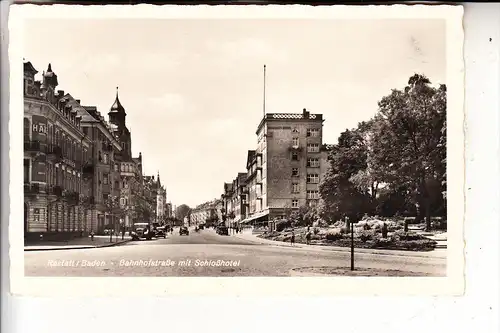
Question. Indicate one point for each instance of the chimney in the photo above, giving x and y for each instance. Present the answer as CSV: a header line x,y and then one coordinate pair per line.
x,y
305,113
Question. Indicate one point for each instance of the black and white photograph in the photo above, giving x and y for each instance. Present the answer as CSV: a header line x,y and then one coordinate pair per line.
x,y
224,146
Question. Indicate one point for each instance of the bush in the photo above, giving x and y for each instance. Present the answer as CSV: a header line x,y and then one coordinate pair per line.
x,y
282,225
408,236
343,230
316,231
333,236
366,227
366,236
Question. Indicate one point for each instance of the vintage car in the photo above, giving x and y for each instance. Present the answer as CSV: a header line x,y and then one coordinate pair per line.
x,y
141,230
201,226
222,230
184,231
160,232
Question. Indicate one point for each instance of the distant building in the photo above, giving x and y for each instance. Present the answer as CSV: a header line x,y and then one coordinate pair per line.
x,y
285,169
206,213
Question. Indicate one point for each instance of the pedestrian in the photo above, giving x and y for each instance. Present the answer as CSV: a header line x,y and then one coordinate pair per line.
x,y
123,233
292,239
308,237
92,235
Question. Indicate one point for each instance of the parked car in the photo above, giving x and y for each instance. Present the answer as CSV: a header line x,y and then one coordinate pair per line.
x,y
222,230
141,230
201,226
161,232
183,231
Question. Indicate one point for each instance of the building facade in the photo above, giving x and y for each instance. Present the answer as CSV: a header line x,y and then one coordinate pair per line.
x,y
206,213
55,149
79,172
285,170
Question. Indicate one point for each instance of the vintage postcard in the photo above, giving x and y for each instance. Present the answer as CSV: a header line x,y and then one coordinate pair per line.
x,y
255,149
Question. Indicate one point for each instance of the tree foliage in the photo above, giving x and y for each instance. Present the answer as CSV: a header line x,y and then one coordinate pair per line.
x,y
182,211
396,162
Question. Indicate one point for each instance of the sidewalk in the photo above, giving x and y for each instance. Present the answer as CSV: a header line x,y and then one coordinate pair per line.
x,y
77,243
437,253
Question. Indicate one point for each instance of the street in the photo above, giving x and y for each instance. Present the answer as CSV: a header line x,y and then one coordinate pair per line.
x,y
207,254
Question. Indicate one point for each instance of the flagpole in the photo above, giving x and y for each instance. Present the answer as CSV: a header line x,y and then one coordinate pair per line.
x,y
264,99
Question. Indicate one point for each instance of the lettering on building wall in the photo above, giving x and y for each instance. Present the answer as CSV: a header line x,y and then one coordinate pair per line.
x,y
39,128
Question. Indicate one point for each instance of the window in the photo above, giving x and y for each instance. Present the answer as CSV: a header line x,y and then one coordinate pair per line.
x,y
313,162
27,129
295,203
295,157
105,178
295,188
85,131
123,167
105,158
312,147
117,185
314,194
313,132
295,130
295,172
37,214
116,167
313,178
295,142
26,171
105,197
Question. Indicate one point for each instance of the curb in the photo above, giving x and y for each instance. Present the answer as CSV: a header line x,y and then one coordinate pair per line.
x,y
78,247
346,249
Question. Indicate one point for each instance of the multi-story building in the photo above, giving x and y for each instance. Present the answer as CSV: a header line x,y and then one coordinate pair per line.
x,y
206,213
168,209
102,166
285,170
131,176
227,204
237,212
55,148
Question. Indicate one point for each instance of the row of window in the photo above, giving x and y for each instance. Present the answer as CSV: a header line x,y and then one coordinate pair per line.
x,y
56,176
295,202
55,136
311,162
311,132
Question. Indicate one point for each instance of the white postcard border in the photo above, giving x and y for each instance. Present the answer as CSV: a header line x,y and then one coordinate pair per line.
x,y
453,284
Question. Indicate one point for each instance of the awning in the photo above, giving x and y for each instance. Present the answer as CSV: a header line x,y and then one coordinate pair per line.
x,y
254,217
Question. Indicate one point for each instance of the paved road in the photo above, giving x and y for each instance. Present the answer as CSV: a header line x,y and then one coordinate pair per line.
x,y
199,254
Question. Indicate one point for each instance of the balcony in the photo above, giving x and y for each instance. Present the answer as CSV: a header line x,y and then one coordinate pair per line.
x,y
56,190
35,188
35,147
88,171
71,197
54,153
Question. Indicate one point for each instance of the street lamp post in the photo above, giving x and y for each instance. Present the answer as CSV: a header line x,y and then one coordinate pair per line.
x,y
352,246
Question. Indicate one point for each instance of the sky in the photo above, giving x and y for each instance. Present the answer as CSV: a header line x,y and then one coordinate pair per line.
x,y
193,89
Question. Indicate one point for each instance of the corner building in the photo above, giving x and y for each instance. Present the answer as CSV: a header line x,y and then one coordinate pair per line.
x,y
55,149
286,168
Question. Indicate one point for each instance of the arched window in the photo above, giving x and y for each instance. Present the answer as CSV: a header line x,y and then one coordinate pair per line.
x,y
27,129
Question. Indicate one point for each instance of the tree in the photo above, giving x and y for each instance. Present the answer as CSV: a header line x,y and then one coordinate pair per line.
x,y
112,204
344,189
408,143
182,211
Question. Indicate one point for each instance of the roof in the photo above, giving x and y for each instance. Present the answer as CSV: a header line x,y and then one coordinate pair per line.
x,y
117,107
28,67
